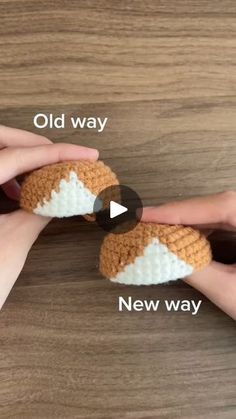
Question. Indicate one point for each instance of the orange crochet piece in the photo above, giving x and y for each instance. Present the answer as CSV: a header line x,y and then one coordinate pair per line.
x,y
39,186
121,250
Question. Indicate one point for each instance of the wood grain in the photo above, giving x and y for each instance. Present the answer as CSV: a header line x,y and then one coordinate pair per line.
x,y
164,74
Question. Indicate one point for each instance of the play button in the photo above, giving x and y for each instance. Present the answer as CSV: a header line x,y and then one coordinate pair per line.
x,y
116,209
120,213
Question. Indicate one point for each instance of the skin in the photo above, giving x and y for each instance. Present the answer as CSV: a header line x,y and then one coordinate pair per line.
x,y
217,281
20,152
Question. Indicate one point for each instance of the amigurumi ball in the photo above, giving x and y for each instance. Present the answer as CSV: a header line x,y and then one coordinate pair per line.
x,y
153,254
66,189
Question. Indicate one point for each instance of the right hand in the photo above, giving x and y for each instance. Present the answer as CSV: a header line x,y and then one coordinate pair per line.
x,y
217,281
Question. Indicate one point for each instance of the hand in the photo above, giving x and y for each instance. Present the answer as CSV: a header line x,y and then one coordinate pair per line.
x,y
217,281
20,152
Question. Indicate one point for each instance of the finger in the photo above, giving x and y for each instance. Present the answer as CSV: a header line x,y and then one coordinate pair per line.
x,y
12,189
14,161
13,137
20,231
218,283
212,209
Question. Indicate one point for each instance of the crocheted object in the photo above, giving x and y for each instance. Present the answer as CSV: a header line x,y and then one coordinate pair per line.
x,y
153,254
67,189
148,254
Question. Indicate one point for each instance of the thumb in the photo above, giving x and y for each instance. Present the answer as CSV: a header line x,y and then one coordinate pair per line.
x,y
218,283
213,209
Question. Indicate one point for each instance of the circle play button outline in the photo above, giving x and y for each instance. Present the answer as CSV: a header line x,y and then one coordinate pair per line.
x,y
120,213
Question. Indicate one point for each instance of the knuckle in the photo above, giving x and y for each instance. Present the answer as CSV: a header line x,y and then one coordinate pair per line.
x,y
50,152
60,150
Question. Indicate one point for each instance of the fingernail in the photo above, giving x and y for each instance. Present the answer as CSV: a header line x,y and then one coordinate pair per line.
x,y
93,153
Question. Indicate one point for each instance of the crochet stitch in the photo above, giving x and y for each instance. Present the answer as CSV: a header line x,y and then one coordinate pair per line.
x,y
153,254
67,189
148,254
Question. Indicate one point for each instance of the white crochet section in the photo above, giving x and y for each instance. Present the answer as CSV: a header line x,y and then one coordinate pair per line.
x,y
73,198
156,266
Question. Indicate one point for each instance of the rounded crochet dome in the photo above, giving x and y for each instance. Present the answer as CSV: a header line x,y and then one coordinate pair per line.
x,y
66,189
153,254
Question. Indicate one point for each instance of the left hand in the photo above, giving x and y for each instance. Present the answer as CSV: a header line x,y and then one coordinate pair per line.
x,y
20,152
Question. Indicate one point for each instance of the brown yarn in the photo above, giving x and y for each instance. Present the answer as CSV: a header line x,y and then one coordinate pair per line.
x,y
38,185
120,250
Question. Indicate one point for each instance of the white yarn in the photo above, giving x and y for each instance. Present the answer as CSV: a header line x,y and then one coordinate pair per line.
x,y
73,198
156,266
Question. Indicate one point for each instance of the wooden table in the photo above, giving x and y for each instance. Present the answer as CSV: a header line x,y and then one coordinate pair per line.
x,y
164,73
